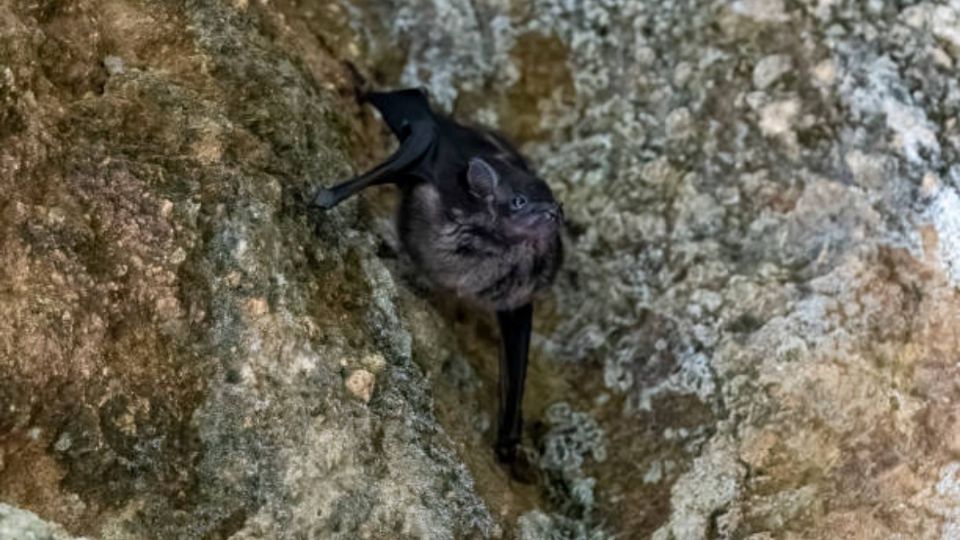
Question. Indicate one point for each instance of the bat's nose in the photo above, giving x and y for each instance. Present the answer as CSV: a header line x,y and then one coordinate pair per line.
x,y
555,212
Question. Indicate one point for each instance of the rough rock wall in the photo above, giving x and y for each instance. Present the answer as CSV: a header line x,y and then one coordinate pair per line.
x,y
23,525
754,336
759,308
177,336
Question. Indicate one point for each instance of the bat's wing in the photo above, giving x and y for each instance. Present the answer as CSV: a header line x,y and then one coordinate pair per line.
x,y
515,328
407,113
401,109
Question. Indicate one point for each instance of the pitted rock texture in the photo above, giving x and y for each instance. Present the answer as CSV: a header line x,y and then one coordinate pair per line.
x,y
177,335
754,336
759,307
16,523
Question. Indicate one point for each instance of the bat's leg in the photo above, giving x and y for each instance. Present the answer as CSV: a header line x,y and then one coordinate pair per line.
x,y
417,142
515,327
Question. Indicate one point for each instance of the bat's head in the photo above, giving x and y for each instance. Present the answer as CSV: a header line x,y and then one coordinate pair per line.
x,y
520,205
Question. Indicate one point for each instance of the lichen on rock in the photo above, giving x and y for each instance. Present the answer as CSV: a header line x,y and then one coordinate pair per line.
x,y
758,197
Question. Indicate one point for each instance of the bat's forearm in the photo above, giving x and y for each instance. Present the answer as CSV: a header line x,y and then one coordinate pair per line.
x,y
397,168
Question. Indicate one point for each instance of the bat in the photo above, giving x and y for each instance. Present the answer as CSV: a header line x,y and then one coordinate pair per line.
x,y
476,221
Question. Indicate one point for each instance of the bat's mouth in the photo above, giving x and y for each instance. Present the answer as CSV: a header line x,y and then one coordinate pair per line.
x,y
539,220
547,211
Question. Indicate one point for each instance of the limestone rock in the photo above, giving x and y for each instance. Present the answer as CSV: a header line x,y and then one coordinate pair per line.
x,y
360,383
23,525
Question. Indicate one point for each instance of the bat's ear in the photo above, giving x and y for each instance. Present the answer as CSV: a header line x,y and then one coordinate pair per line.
x,y
482,178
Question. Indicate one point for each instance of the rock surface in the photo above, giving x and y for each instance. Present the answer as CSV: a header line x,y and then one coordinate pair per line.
x,y
176,333
755,334
23,525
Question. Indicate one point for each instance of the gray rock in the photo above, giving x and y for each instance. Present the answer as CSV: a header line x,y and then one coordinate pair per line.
x,y
769,69
113,65
17,524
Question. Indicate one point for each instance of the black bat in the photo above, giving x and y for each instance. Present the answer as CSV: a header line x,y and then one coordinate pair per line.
x,y
476,221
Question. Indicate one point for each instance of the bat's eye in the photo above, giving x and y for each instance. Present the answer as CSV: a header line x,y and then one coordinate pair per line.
x,y
518,202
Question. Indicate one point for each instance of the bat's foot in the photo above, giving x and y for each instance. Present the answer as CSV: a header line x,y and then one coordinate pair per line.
x,y
325,199
518,463
506,453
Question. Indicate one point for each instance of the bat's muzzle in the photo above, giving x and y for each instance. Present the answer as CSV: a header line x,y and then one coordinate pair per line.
x,y
539,220
555,213
545,211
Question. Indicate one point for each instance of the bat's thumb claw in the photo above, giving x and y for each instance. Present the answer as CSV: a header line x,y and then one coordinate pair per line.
x,y
325,199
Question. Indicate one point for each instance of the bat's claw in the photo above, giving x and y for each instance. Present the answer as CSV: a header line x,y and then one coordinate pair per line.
x,y
518,463
325,199
506,453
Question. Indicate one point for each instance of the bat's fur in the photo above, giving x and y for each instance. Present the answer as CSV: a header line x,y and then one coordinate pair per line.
x,y
466,251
